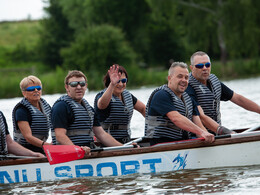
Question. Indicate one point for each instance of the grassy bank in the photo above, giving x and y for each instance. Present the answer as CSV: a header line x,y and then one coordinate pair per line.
x,y
53,81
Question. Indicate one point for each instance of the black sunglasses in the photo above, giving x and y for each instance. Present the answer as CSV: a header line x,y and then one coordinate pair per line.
x,y
122,80
76,83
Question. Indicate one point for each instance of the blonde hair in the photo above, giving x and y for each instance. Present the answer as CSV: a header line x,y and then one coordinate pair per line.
x,y
28,81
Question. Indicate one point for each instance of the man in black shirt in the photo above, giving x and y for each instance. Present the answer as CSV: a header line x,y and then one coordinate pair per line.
x,y
208,91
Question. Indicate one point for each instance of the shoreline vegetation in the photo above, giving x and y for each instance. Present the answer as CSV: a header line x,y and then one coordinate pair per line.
x,y
19,39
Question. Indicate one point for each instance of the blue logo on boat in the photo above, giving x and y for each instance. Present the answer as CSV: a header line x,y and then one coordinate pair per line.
x,y
180,161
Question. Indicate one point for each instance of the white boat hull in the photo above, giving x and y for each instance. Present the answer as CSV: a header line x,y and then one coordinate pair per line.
x,y
238,154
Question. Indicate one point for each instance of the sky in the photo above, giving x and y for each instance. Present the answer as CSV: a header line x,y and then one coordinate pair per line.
x,y
14,10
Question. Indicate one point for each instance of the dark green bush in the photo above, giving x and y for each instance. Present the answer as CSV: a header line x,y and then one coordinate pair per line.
x,y
97,48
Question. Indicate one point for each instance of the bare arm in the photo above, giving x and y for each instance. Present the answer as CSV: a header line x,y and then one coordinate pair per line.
x,y
207,121
245,103
61,136
197,121
104,137
16,149
104,100
27,134
140,107
185,124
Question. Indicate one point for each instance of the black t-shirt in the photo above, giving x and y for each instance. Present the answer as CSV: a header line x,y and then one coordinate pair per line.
x,y
162,103
62,116
23,114
226,93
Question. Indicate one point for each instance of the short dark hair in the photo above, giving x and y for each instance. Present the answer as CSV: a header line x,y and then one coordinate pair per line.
x,y
74,73
197,53
176,64
106,78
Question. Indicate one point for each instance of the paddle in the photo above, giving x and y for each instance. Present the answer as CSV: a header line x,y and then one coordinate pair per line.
x,y
15,157
134,141
65,153
252,129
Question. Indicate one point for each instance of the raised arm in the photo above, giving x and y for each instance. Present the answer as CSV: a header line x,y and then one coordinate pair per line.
x,y
104,100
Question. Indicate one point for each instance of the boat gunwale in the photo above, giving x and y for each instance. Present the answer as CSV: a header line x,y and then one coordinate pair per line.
x,y
189,144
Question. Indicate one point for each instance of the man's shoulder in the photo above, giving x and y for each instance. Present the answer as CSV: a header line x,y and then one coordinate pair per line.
x,y
190,90
60,105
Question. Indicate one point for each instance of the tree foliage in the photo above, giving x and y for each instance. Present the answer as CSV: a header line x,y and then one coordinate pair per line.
x,y
98,48
149,31
55,35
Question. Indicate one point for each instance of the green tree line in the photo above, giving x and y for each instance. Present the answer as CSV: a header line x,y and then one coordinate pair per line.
x,y
144,36
88,33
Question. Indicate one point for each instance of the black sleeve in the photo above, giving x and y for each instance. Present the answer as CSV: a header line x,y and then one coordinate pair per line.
x,y
192,94
134,99
61,115
195,108
226,93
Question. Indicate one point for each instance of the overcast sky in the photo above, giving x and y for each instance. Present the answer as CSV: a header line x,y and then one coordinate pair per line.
x,y
21,9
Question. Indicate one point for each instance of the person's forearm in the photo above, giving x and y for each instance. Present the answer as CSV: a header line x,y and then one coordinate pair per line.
x,y
184,123
105,99
108,140
64,140
17,149
245,103
34,141
209,123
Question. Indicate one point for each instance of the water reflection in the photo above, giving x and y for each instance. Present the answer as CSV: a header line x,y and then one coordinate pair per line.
x,y
217,181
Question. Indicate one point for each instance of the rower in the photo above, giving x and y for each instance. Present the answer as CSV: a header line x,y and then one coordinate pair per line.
x,y
9,146
170,113
207,91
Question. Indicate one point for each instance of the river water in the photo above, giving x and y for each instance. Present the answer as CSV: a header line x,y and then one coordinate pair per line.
x,y
237,180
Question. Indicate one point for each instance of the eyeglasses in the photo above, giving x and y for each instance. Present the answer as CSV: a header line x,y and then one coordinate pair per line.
x,y
76,83
122,80
32,88
201,65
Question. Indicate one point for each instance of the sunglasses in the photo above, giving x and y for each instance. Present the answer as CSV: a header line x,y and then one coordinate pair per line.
x,y
32,88
122,80
201,65
76,83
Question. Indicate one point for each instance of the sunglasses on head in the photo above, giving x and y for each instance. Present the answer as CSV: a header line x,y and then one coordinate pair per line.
x,y
32,88
122,80
76,83
201,65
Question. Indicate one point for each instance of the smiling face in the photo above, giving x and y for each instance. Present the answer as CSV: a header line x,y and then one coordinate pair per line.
x,y
202,74
78,92
32,96
120,87
178,80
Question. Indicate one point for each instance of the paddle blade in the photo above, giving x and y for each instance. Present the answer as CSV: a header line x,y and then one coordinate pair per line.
x,y
63,153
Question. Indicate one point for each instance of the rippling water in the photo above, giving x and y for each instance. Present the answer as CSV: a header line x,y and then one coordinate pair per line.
x,y
236,180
